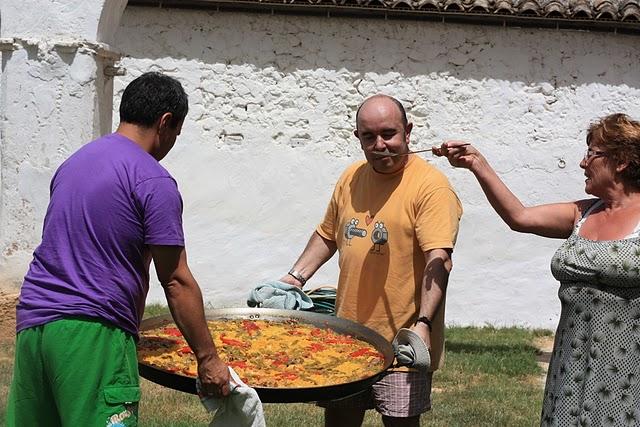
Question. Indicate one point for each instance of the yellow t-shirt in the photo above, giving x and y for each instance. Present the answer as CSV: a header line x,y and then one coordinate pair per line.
x,y
382,225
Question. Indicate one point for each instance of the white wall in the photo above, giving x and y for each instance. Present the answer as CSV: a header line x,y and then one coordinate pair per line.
x,y
272,101
48,20
54,96
272,110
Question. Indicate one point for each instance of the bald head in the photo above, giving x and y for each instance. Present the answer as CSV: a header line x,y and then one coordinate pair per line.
x,y
398,104
382,126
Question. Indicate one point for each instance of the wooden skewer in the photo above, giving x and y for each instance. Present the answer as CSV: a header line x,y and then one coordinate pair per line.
x,y
389,154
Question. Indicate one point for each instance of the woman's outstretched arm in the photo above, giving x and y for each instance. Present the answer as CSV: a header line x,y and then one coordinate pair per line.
x,y
550,220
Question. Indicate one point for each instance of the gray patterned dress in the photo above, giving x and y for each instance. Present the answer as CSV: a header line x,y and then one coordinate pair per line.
x,y
594,374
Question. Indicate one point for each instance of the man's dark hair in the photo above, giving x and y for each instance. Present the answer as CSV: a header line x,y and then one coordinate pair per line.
x,y
150,96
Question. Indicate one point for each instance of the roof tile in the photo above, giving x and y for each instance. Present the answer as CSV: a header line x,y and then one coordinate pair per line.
x,y
623,15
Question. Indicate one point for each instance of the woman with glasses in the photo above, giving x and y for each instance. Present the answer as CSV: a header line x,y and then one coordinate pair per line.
x,y
594,374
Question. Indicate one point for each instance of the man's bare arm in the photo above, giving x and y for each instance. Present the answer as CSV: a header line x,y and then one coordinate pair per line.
x,y
434,288
318,251
185,302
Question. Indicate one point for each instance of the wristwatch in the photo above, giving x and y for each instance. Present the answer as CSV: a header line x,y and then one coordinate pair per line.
x,y
426,321
293,273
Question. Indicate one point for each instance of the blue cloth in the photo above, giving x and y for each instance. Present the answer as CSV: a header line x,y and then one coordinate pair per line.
x,y
276,294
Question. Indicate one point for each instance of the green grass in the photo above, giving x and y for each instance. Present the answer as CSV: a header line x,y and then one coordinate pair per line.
x,y
152,310
490,378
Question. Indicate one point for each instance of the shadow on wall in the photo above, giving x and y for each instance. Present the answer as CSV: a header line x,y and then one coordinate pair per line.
x,y
291,43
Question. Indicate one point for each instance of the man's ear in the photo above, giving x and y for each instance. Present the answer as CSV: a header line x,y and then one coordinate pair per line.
x,y
407,132
164,121
408,128
357,135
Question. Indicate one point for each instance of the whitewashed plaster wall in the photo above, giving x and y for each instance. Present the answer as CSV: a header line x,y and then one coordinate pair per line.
x,y
272,105
56,20
270,129
54,96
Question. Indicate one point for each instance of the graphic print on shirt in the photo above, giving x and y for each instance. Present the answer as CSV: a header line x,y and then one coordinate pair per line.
x,y
379,237
351,230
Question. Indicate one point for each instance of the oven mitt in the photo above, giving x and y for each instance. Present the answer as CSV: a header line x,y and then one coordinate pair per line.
x,y
276,294
411,351
241,408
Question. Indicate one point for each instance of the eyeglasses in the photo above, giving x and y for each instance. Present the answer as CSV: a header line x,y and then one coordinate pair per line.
x,y
593,153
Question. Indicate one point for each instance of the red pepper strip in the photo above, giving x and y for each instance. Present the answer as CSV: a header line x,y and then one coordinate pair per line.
x,y
250,326
366,352
185,350
189,372
316,347
340,340
230,341
360,352
174,332
238,364
287,376
316,332
281,359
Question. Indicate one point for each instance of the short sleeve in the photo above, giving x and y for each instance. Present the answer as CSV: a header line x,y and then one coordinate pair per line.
x,y
161,205
437,219
327,228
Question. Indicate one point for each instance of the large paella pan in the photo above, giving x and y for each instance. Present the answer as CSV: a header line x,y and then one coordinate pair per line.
x,y
274,393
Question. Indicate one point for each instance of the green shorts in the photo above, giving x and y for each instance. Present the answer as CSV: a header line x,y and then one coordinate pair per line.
x,y
74,372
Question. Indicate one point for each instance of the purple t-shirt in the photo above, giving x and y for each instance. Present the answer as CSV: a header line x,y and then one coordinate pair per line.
x,y
109,200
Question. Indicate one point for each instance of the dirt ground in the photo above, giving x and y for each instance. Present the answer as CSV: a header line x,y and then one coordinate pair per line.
x,y
8,300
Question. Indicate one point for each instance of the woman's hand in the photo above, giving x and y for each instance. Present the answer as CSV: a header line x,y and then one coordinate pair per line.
x,y
459,153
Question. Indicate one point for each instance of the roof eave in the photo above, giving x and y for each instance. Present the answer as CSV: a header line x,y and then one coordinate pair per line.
x,y
377,9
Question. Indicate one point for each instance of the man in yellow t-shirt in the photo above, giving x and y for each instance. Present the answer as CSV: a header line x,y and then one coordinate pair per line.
x,y
394,221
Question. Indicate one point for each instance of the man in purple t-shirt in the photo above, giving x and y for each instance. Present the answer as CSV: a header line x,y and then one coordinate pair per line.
x,y
113,208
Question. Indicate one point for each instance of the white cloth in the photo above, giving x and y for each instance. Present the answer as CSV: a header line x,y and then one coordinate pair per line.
x,y
242,408
411,351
